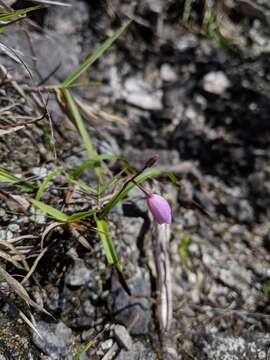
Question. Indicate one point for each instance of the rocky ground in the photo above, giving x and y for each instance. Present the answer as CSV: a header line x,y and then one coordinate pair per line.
x,y
196,92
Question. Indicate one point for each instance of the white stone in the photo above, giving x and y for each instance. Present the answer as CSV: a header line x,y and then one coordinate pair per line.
x,y
216,82
167,73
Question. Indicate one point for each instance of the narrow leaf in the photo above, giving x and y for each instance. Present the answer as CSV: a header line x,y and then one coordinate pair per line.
x,y
74,111
9,15
91,58
124,191
94,162
7,177
81,215
57,214
46,181
108,245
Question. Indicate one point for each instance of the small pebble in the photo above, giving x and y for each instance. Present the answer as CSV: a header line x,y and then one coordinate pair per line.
x,y
122,337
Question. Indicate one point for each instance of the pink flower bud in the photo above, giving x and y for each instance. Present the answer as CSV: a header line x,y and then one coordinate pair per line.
x,y
151,161
159,208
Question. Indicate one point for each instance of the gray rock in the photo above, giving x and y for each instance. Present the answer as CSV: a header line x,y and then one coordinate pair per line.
x,y
139,93
138,352
190,218
154,5
122,337
138,158
68,20
220,347
59,46
13,227
56,338
78,275
246,212
187,41
106,345
126,308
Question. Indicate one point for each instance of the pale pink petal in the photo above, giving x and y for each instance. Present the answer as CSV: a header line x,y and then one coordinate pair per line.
x,y
160,209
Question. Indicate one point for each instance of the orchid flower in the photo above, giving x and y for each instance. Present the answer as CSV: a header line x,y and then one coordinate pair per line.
x,y
159,208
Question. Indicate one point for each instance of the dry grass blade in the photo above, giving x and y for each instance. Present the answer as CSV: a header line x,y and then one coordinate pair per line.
x,y
27,120
33,268
17,254
81,239
10,130
14,56
10,197
48,230
20,291
29,323
10,259
20,313
21,238
97,115
51,2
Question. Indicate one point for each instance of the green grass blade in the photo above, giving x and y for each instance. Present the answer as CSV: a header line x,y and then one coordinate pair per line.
x,y
111,182
94,162
108,245
74,111
45,182
183,249
7,177
83,84
91,58
83,349
187,11
122,193
83,186
10,15
80,123
81,215
56,214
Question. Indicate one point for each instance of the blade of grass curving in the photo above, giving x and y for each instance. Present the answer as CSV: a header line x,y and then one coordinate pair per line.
x,y
7,257
20,290
7,177
125,190
52,2
14,56
84,84
81,215
56,214
33,268
74,111
29,323
83,186
91,58
46,181
111,182
93,162
108,245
